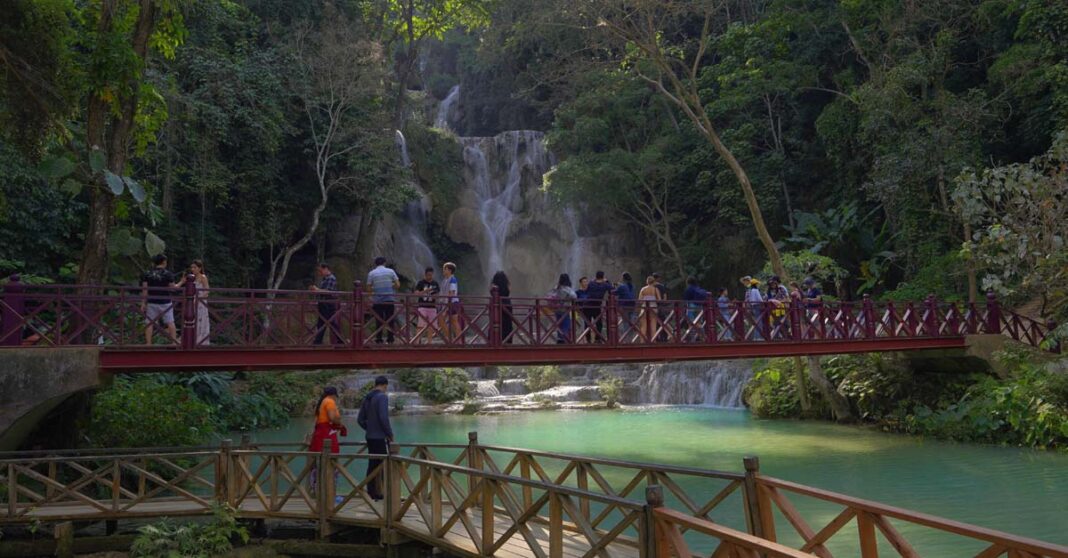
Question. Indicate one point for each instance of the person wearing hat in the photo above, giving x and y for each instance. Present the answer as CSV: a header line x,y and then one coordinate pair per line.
x,y
755,301
374,419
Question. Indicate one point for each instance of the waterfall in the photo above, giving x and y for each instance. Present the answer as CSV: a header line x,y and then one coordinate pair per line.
x,y
494,170
411,251
447,108
711,384
402,146
573,262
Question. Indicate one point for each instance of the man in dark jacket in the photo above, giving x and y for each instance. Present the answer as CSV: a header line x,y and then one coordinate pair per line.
x,y
594,306
626,295
374,419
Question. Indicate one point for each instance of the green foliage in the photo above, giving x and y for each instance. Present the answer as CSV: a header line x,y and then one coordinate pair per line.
x,y
944,277
295,392
772,393
128,414
167,539
800,265
610,387
250,411
411,378
541,378
470,407
445,385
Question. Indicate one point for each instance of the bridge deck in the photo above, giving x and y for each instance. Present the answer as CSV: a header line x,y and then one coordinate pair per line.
x,y
352,513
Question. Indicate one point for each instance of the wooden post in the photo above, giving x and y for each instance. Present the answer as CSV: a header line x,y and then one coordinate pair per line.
x,y
582,478
524,471
556,526
357,315
740,311
393,484
241,482
189,313
326,488
869,317
12,490
611,313
993,313
1055,346
64,533
488,520
474,460
116,484
656,546
869,545
223,484
495,317
435,502
797,320
751,497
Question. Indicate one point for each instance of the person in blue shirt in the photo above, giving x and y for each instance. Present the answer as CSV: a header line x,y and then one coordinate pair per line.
x,y
383,283
594,308
695,298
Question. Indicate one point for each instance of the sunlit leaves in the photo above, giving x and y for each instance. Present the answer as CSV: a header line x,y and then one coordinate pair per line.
x,y
153,244
114,182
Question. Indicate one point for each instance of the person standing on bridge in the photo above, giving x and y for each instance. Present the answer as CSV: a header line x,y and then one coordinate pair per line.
x,y
453,309
327,427
626,295
327,307
200,280
561,299
382,282
157,286
505,318
374,419
428,289
596,293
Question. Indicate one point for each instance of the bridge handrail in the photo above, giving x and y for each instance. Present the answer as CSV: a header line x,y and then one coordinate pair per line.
x,y
671,523
871,517
695,471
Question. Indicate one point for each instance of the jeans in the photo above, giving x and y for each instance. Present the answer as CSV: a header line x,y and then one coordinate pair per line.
x,y
563,333
376,447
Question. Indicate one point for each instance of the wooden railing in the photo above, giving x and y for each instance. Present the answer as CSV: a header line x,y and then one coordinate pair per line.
x,y
114,316
474,500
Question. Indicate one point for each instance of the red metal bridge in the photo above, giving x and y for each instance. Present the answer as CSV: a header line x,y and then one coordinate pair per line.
x,y
244,329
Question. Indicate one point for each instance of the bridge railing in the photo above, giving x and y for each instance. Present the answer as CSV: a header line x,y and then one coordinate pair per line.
x,y
872,519
469,504
115,317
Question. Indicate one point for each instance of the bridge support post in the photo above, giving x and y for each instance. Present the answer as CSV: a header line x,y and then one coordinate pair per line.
x,y
868,310
993,313
711,314
611,312
326,488
651,543
356,334
753,511
495,317
189,313
393,490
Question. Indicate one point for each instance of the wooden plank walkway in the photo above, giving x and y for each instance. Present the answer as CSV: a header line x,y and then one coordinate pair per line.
x,y
355,513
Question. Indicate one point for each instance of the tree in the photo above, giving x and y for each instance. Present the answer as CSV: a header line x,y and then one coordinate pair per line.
x,y
339,88
118,37
412,22
622,152
652,39
1019,213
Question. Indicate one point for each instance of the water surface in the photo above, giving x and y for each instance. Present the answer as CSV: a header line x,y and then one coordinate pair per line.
x,y
1020,491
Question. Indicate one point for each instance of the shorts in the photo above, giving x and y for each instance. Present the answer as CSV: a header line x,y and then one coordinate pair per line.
x,y
426,315
455,309
159,312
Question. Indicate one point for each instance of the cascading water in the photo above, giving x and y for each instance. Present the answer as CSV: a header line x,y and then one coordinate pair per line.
x,y
711,384
411,251
447,108
494,170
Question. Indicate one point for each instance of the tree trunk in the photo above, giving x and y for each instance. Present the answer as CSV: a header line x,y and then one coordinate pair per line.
x,y
111,133
839,404
802,386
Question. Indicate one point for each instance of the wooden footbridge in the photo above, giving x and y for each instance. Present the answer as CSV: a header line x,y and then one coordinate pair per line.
x,y
248,329
479,500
